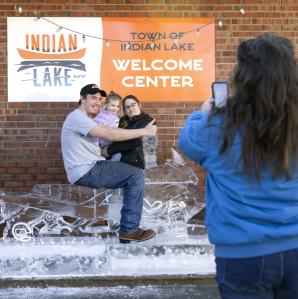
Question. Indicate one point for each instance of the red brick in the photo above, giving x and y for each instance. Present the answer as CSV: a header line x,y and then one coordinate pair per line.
x,y
165,111
12,184
60,176
45,176
166,123
14,170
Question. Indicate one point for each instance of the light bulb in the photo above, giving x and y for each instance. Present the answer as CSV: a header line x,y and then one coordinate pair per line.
x,y
18,8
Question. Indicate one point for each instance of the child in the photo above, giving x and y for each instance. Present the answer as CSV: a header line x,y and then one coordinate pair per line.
x,y
108,116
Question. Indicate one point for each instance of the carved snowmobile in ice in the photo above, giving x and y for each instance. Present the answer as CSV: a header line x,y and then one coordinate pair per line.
x,y
171,197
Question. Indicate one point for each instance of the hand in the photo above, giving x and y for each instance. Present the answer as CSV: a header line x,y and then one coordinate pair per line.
x,y
208,105
151,129
104,151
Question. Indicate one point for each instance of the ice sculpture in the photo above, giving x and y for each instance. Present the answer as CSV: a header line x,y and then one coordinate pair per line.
x,y
62,210
66,230
150,151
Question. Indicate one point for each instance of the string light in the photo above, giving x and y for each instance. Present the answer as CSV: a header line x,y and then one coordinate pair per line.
x,y
36,16
18,8
127,46
126,42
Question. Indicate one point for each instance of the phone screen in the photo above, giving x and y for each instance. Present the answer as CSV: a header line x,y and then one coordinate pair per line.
x,y
220,93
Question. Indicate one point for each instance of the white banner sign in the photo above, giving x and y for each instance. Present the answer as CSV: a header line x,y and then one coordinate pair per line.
x,y
46,64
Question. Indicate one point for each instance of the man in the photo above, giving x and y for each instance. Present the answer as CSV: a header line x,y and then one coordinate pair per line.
x,y
85,166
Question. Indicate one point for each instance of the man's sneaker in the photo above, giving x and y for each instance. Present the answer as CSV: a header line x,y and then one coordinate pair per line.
x,y
139,236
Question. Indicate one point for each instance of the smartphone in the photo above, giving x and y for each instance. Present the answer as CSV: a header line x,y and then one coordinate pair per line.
x,y
220,93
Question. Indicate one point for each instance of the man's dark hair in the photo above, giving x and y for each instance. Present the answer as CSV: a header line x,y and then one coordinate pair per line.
x,y
264,107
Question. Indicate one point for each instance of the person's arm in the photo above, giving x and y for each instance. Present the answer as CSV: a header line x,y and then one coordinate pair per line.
x,y
123,146
128,145
117,134
194,137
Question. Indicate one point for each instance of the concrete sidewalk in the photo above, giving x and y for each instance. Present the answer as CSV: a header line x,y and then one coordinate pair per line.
x,y
110,287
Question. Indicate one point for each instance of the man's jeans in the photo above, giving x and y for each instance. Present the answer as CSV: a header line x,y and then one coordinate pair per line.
x,y
273,276
112,175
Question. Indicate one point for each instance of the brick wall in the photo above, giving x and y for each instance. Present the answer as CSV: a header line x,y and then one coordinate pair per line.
x,y
30,132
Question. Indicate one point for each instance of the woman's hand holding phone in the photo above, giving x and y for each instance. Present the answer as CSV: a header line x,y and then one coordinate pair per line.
x,y
220,93
208,105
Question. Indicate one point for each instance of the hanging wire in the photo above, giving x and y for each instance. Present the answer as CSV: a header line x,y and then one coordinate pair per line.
x,y
127,42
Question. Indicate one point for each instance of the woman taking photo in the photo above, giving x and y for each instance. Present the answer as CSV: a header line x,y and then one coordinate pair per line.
x,y
250,151
131,150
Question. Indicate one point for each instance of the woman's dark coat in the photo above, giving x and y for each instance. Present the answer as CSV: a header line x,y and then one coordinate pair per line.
x,y
131,150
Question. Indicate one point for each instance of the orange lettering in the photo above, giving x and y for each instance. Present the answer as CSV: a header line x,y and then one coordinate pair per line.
x,y
46,43
62,45
35,45
51,43
72,42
